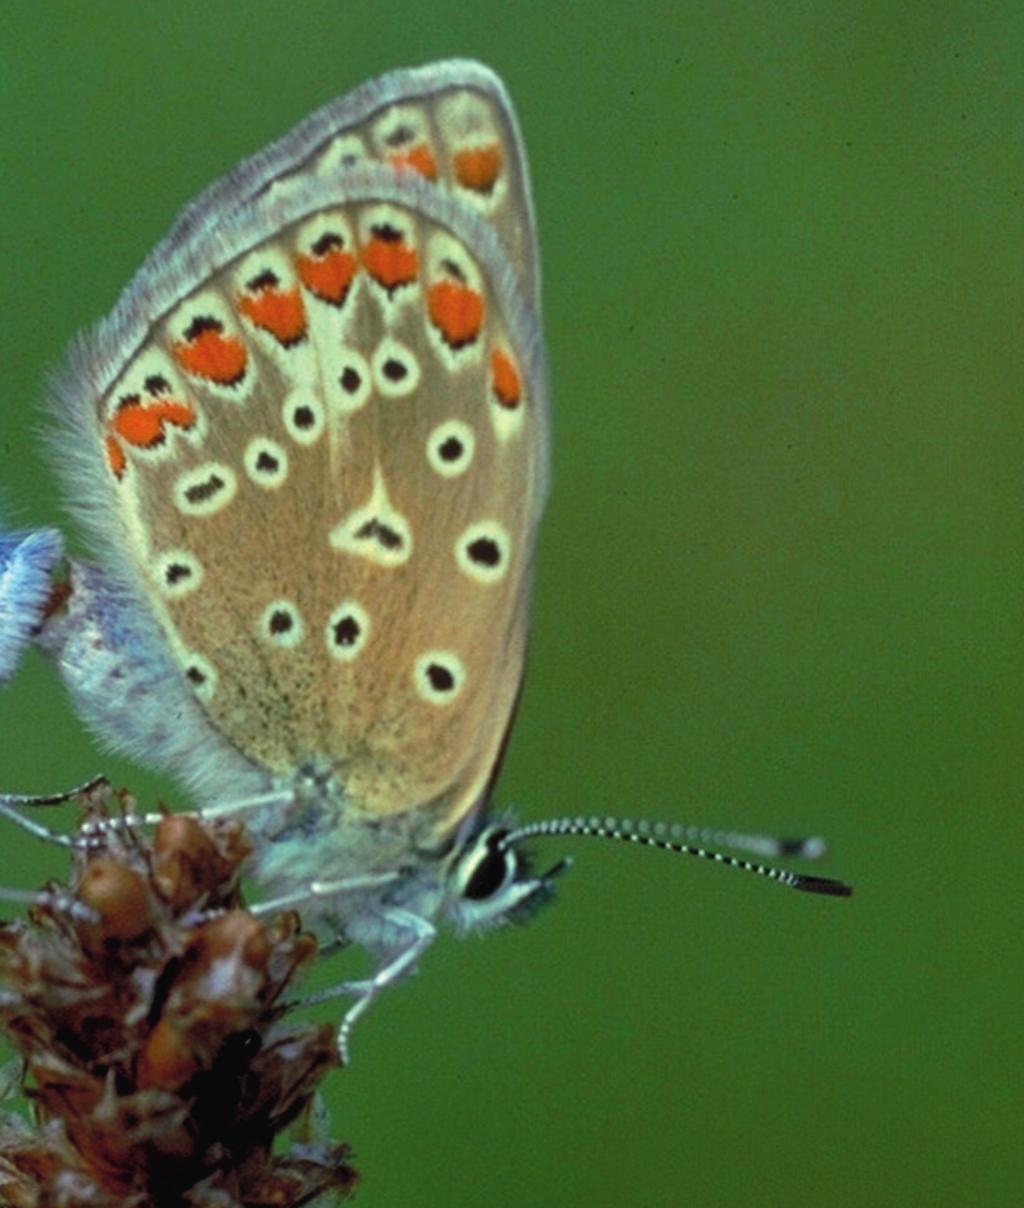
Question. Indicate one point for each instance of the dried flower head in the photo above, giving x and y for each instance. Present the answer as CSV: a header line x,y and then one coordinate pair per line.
x,y
148,1009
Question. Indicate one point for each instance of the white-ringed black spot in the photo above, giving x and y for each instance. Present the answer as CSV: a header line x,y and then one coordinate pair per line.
x,y
347,631
206,489
177,573
353,381
376,530
396,371
266,463
281,621
195,675
482,550
281,624
303,416
450,448
439,676
202,492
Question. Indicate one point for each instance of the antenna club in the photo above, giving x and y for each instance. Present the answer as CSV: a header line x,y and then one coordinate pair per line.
x,y
824,885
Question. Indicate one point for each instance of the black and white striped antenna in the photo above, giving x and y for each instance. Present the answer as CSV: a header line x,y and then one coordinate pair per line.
x,y
692,841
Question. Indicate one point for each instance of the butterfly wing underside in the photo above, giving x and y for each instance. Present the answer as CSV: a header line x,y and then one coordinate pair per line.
x,y
319,415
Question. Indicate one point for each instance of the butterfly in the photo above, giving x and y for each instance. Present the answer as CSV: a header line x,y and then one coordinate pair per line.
x,y
311,445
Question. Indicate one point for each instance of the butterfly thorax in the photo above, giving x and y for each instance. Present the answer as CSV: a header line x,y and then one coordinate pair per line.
x,y
314,838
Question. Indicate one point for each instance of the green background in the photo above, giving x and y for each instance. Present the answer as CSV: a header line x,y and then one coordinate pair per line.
x,y
779,582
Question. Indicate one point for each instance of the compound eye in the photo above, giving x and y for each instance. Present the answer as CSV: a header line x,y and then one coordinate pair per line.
x,y
492,872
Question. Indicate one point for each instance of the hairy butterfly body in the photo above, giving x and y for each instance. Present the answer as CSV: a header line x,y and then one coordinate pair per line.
x,y
311,446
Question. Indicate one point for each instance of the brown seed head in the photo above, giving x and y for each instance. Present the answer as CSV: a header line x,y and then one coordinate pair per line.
x,y
157,1056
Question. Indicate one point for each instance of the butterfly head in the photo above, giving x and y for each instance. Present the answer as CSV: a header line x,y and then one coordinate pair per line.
x,y
491,880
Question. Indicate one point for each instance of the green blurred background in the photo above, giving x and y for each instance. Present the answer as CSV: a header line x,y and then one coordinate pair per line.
x,y
779,584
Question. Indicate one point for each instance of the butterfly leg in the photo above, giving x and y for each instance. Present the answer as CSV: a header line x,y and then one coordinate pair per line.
x,y
422,934
419,934
57,901
98,789
94,830
27,563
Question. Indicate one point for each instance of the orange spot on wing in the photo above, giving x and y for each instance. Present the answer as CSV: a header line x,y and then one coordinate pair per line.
x,y
505,381
142,424
390,263
279,311
456,311
478,168
329,276
419,158
115,456
208,354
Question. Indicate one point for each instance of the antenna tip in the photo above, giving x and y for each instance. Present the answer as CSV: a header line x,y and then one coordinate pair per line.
x,y
824,885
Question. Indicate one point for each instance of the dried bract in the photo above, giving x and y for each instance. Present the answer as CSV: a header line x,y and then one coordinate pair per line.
x,y
150,1022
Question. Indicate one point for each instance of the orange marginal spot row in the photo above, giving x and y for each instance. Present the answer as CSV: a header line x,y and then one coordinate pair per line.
x,y
213,356
115,456
419,158
390,262
456,311
505,381
142,425
478,168
330,276
279,311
